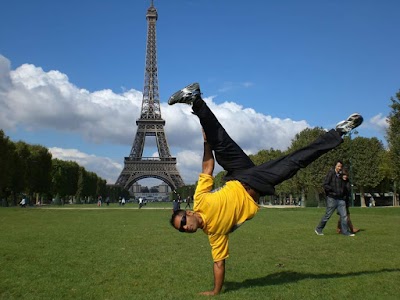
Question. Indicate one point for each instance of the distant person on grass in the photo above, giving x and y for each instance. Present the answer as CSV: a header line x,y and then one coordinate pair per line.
x,y
188,200
220,212
140,202
335,190
22,203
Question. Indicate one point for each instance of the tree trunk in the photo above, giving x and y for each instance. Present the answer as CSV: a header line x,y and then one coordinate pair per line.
x,y
316,196
303,198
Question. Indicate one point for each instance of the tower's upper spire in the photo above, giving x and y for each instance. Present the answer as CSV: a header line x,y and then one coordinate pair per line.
x,y
152,12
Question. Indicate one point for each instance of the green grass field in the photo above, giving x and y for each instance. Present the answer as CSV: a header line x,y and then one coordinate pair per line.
x,y
121,253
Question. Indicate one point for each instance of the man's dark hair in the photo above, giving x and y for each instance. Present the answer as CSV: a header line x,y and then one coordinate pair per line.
x,y
339,161
178,212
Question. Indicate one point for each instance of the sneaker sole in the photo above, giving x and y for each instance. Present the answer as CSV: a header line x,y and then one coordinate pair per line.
x,y
185,95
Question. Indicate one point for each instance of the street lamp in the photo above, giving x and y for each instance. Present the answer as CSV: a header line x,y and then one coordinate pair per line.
x,y
351,167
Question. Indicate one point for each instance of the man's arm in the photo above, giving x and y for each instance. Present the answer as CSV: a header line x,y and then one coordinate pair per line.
x,y
208,158
219,266
219,276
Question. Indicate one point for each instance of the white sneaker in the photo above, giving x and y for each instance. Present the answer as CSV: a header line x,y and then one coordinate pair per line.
x,y
349,234
318,231
348,125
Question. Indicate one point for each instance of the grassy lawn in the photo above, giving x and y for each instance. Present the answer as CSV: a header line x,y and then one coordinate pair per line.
x,y
120,253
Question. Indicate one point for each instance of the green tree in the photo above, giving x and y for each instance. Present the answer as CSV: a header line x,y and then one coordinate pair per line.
x,y
114,192
92,185
264,156
39,170
72,174
65,177
100,186
393,139
367,156
219,179
309,181
387,171
58,178
21,173
184,191
7,163
154,189
81,192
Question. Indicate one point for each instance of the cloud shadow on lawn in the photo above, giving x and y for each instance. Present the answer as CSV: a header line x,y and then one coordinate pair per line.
x,y
287,277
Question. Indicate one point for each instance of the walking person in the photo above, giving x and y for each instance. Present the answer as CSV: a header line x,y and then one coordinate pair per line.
x,y
347,198
220,212
188,200
140,202
335,191
22,203
371,201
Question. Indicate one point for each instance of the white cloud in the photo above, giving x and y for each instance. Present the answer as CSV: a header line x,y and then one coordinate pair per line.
x,y
33,99
36,100
228,86
379,122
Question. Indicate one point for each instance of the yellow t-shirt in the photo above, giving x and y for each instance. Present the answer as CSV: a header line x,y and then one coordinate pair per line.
x,y
222,210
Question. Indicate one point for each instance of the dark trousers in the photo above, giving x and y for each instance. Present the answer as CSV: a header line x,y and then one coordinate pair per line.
x,y
239,166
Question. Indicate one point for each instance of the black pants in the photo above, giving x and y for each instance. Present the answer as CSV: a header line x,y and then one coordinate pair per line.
x,y
239,166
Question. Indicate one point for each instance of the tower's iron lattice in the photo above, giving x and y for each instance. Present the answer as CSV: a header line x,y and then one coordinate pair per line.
x,y
150,123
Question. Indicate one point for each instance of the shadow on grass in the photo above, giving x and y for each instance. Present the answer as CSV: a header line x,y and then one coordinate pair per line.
x,y
288,277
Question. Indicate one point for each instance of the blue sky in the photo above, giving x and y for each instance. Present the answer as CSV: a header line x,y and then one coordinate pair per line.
x,y
72,72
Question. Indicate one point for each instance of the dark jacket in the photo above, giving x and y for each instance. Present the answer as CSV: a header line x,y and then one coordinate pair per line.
x,y
347,191
334,185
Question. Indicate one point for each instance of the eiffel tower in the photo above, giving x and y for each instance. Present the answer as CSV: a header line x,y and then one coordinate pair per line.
x,y
150,123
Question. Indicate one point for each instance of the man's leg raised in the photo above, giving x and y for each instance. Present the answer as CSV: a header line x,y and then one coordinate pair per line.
x,y
271,173
227,153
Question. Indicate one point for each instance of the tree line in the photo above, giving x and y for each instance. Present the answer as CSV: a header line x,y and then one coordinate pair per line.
x,y
30,171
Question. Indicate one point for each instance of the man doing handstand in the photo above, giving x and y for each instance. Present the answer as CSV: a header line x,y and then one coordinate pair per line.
x,y
220,212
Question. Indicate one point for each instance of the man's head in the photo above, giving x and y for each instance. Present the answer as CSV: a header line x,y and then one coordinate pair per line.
x,y
185,221
338,166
